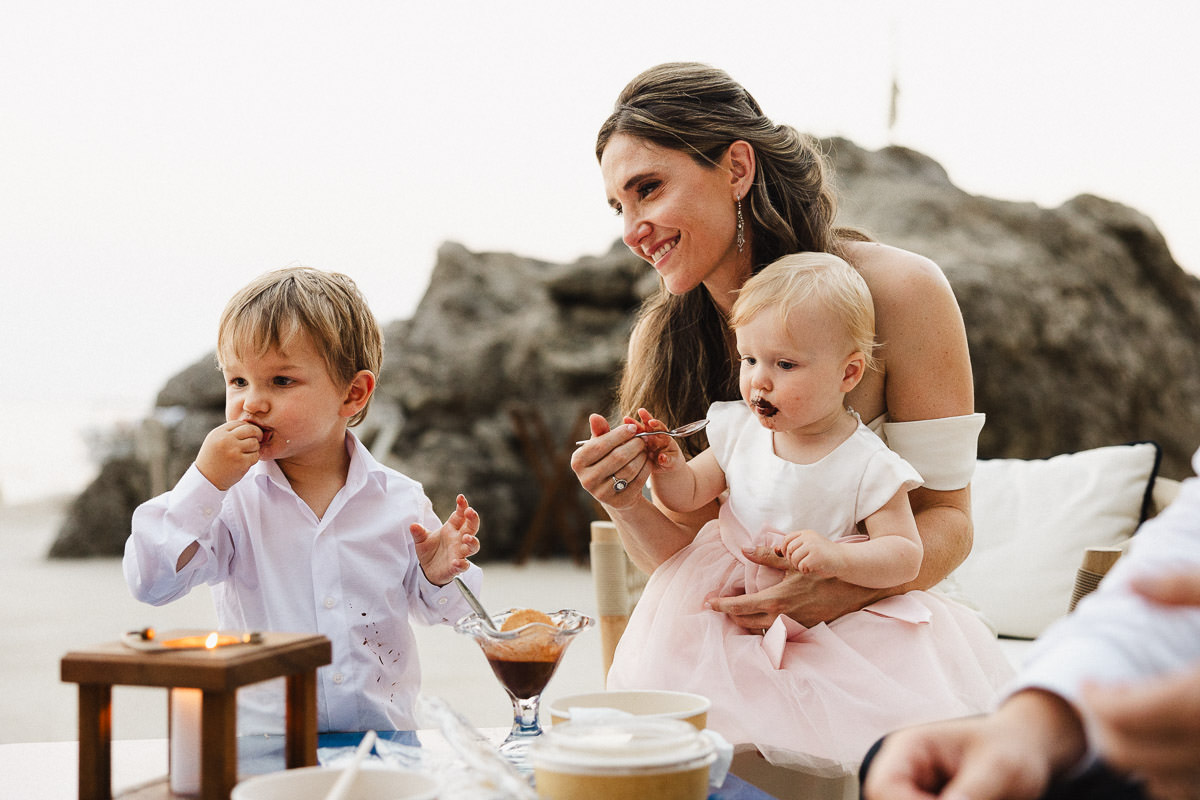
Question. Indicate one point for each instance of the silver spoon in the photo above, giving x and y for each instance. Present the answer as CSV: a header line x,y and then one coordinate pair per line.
x,y
681,431
474,603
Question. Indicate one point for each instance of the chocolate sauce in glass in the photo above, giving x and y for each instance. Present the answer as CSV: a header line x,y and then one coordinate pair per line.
x,y
523,679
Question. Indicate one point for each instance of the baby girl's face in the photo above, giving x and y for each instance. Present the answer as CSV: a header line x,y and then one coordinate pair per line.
x,y
792,377
289,396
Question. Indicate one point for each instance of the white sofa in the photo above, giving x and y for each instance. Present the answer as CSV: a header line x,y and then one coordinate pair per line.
x,y
1036,519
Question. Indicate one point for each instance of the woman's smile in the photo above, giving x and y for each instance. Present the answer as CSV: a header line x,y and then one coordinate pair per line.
x,y
663,249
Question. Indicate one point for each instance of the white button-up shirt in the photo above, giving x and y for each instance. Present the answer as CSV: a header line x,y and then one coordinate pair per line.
x,y
352,576
1115,635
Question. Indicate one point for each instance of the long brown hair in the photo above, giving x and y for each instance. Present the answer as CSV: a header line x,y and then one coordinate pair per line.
x,y
683,360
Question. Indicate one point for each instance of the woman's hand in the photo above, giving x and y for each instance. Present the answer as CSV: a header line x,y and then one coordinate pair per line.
x,y
808,599
613,465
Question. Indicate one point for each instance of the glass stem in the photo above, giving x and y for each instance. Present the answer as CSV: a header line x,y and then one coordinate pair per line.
x,y
525,716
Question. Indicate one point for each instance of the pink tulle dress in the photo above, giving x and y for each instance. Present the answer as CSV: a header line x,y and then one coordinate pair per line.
x,y
813,699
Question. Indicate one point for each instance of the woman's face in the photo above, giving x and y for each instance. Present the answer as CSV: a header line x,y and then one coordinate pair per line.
x,y
679,216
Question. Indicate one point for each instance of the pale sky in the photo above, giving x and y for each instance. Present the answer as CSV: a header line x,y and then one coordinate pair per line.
x,y
156,156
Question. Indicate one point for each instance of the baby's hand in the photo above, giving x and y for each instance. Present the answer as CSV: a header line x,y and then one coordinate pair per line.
x,y
811,553
444,552
663,451
228,453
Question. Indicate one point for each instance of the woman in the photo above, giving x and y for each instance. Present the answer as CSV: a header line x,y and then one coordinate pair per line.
x,y
710,191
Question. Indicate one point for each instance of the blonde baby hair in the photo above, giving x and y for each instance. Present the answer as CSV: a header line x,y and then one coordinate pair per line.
x,y
794,279
327,306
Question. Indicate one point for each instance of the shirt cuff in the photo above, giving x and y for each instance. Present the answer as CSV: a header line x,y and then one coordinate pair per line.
x,y
447,602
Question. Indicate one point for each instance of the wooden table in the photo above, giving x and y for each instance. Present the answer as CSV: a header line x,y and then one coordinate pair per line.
x,y
218,673
46,770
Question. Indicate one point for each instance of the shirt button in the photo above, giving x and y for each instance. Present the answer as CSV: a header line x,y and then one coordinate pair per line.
x,y
338,678
441,601
330,602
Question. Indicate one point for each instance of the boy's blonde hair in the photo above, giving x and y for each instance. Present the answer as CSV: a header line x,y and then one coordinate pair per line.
x,y
327,306
794,279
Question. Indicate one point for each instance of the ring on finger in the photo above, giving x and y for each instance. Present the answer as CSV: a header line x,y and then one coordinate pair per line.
x,y
619,484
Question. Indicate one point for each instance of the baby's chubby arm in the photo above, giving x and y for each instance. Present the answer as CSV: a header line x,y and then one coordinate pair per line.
x,y
443,553
891,557
679,484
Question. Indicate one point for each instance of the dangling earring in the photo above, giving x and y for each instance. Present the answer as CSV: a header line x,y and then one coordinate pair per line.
x,y
741,226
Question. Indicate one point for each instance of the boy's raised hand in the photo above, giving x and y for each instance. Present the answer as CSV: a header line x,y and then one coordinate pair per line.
x,y
228,453
443,553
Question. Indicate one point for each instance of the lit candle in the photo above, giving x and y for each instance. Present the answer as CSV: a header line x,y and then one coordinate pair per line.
x,y
185,740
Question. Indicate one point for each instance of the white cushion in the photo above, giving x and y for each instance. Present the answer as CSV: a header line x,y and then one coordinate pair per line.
x,y
1035,518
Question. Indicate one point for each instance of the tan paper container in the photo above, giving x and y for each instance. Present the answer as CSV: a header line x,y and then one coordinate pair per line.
x,y
688,707
626,759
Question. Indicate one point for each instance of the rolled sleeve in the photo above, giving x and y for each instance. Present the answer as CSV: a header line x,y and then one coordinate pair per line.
x,y
163,528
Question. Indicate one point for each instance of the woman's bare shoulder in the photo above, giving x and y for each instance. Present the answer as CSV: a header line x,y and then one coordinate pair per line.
x,y
894,269
920,327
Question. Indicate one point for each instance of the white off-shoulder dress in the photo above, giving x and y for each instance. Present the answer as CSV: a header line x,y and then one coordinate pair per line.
x,y
815,698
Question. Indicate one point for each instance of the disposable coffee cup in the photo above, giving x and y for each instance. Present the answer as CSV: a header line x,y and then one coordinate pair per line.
x,y
628,757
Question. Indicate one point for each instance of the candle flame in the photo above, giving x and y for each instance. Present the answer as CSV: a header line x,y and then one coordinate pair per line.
x,y
211,641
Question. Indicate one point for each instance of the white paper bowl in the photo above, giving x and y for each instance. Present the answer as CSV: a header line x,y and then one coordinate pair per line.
x,y
688,707
314,783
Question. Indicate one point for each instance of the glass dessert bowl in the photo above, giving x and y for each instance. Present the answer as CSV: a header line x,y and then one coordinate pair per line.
x,y
524,658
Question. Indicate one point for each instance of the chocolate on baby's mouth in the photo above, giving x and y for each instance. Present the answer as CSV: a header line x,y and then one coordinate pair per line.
x,y
764,407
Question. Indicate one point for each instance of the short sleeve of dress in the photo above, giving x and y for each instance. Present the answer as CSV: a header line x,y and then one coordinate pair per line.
x,y
942,450
724,420
885,474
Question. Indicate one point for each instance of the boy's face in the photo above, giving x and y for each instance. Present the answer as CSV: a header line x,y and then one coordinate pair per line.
x,y
290,396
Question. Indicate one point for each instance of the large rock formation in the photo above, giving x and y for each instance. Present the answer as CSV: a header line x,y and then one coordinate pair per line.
x,y
1081,328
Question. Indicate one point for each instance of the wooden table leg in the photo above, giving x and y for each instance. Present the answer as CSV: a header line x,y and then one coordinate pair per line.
x,y
218,745
95,741
302,720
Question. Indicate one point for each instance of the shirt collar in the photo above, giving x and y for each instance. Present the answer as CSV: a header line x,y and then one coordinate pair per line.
x,y
363,467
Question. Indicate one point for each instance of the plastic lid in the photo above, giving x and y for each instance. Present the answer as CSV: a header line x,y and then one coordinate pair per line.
x,y
621,745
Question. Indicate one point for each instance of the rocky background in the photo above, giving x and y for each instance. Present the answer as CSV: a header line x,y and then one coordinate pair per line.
x,y
1082,331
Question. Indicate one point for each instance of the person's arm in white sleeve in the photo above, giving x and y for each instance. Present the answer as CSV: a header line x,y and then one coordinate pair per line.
x,y
1119,635
168,526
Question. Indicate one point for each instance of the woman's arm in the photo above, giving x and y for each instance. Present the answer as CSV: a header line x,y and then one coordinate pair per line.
x,y
649,534
926,375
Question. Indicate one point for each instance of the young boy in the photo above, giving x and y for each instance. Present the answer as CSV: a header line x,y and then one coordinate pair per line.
x,y
293,522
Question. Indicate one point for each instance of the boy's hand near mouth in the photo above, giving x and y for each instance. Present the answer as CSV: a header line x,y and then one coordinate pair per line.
x,y
228,453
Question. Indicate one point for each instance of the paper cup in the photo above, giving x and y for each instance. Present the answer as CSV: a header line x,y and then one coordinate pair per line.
x,y
314,783
630,757
688,707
